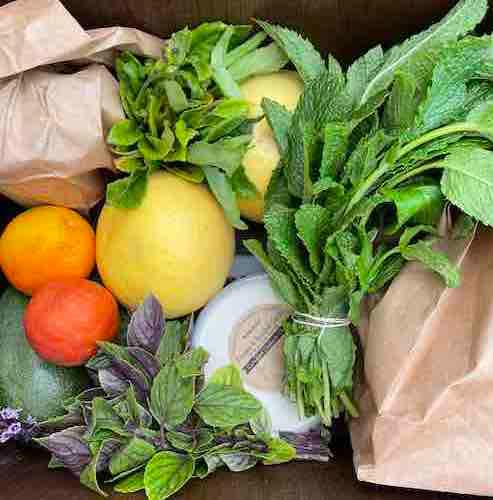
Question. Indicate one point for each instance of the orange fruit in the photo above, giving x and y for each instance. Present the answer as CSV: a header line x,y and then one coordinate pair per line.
x,y
66,319
44,244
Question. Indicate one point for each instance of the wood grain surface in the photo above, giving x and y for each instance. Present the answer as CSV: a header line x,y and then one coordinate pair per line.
x,y
345,28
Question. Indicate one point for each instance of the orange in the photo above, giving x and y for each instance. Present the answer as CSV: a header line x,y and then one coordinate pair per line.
x,y
44,244
66,319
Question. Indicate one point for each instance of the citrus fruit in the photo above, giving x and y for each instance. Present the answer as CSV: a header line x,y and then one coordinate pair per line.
x,y
177,245
284,87
44,244
65,319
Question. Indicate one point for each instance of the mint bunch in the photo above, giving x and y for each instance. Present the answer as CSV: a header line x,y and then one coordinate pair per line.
x,y
185,113
370,157
152,423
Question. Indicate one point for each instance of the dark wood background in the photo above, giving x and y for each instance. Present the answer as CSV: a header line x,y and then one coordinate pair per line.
x,y
345,28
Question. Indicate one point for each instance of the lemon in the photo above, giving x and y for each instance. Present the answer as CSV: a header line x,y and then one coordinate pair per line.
x,y
284,87
177,245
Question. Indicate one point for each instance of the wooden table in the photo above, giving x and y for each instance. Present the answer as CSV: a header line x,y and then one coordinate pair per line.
x,y
24,476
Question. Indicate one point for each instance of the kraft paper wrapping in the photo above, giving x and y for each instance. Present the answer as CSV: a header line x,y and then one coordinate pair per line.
x,y
427,399
53,125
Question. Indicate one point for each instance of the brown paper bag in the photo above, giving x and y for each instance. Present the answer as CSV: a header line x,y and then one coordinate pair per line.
x,y
427,399
53,126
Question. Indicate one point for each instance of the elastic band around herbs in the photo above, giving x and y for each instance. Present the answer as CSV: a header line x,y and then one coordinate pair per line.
x,y
317,322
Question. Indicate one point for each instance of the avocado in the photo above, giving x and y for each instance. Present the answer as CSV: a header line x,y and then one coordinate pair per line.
x,y
26,381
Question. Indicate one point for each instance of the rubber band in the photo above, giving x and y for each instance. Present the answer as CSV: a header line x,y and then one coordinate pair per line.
x,y
318,322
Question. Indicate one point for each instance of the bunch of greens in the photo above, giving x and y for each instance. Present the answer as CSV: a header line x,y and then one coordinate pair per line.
x,y
184,112
153,424
369,158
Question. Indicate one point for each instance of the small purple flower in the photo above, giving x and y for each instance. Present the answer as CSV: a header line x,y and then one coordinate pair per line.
x,y
13,426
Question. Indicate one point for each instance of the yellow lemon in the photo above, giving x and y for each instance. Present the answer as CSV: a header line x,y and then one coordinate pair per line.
x,y
177,245
284,87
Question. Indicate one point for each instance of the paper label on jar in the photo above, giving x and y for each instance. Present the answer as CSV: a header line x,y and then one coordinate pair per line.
x,y
255,345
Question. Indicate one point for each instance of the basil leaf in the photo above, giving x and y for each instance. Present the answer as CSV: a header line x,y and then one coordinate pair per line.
x,y
191,363
171,396
68,447
124,133
133,454
172,342
128,192
180,440
221,186
166,474
131,484
227,376
226,406
105,417
238,462
279,452
147,324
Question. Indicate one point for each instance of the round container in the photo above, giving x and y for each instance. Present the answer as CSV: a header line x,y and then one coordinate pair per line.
x,y
242,325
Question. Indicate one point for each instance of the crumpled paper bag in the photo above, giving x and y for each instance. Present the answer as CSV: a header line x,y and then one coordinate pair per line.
x,y
53,125
427,397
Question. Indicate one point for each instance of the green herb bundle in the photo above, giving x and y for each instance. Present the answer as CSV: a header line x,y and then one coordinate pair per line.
x,y
185,113
370,157
153,424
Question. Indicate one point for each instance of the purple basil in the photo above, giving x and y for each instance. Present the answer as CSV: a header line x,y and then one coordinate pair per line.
x,y
146,326
115,380
69,448
150,365
108,449
112,382
308,445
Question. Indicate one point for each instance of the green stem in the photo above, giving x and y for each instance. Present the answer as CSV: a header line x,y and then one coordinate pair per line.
x,y
349,405
430,136
407,175
327,395
435,134
299,400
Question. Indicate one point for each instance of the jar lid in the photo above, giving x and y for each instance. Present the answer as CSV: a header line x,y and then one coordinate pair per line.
x,y
242,325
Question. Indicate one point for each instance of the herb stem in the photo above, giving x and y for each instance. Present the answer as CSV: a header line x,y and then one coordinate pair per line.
x,y
349,405
407,175
299,400
327,396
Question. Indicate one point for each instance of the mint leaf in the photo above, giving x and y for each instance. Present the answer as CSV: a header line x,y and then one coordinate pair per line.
x,y
226,406
279,119
262,61
467,182
420,203
462,19
166,474
280,281
437,261
280,224
222,188
312,223
323,100
336,143
362,71
300,52
171,396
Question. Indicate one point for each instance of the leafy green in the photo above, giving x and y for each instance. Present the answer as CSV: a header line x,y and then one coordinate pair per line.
x,y
167,473
226,406
158,435
300,52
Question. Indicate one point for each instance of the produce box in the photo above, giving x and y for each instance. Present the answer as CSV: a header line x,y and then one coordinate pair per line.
x,y
346,30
